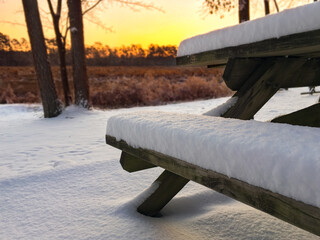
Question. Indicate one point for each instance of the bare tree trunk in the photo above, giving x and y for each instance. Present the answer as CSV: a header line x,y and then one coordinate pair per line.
x,y
266,7
244,13
50,101
61,50
80,78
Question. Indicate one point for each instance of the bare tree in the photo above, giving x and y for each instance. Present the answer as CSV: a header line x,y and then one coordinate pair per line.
x,y
61,44
266,7
80,77
50,101
224,6
215,6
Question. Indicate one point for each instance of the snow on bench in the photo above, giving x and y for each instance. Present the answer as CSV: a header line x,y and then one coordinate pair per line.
x,y
278,34
270,166
281,158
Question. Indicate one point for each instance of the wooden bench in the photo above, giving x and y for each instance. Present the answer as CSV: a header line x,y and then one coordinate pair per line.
x,y
256,71
198,148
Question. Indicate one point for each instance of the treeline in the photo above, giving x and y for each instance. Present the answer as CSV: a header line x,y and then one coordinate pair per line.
x,y
134,55
14,52
17,53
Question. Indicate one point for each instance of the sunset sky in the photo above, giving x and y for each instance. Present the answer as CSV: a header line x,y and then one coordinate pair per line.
x,y
179,19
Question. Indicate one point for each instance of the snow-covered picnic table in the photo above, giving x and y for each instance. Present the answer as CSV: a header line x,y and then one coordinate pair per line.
x,y
272,166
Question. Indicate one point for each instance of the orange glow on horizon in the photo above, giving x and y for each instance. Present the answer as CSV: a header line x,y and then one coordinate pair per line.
x,y
181,19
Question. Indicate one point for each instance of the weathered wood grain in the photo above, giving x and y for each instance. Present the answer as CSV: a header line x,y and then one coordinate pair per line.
x,y
309,116
239,70
306,44
263,83
133,164
300,214
168,185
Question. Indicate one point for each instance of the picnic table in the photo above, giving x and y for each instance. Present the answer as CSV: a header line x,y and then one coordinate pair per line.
x,y
255,70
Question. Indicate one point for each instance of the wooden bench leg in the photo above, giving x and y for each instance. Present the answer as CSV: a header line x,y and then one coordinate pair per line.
x,y
263,83
131,163
169,184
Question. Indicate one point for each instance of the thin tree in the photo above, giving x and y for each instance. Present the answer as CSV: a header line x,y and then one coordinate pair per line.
x,y
266,7
80,77
244,10
61,44
51,104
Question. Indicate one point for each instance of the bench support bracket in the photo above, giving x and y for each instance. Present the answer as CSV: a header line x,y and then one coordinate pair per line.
x,y
132,163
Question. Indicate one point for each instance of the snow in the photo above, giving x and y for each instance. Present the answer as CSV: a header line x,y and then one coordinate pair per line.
x,y
74,30
223,108
59,180
268,155
290,21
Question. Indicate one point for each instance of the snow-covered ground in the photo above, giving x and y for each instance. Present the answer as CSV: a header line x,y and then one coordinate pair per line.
x,y
59,180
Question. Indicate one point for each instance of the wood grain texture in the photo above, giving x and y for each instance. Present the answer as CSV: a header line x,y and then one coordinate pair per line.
x,y
263,83
306,44
133,164
309,116
169,184
239,70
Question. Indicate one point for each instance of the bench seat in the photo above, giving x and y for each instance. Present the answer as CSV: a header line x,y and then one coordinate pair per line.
x,y
284,159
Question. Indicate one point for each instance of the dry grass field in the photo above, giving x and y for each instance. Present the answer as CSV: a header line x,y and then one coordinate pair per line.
x,y
113,87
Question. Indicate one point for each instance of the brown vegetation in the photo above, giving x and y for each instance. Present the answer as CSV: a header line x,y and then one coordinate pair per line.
x,y
113,87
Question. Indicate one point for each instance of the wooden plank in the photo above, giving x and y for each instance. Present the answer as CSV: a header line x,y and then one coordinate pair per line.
x,y
133,164
262,85
292,211
309,116
238,70
167,186
307,75
306,44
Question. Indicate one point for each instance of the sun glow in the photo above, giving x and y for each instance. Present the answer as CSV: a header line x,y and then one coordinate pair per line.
x,y
120,25
180,19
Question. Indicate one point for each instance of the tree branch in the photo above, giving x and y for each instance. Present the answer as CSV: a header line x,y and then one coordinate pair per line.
x,y
59,6
109,29
92,7
276,4
13,23
51,8
140,4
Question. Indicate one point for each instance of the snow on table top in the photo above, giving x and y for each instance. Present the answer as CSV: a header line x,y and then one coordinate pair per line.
x,y
279,157
296,20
